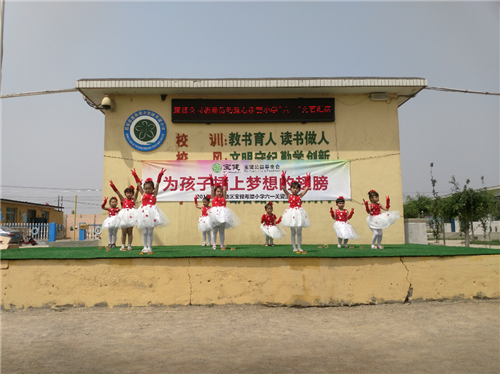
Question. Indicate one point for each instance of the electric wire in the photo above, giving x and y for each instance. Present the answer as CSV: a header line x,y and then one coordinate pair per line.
x,y
444,89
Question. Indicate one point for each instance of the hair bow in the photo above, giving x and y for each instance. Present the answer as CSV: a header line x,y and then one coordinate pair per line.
x,y
148,180
208,197
372,191
270,203
131,187
341,197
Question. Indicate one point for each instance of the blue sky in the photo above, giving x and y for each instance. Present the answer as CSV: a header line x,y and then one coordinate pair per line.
x,y
56,141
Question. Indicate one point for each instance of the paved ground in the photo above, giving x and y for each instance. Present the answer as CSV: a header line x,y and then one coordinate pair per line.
x,y
434,337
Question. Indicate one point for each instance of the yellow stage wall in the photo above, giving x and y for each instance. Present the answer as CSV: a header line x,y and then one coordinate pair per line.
x,y
282,281
365,132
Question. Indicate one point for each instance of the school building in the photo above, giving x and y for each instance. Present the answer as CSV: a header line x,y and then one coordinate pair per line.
x,y
344,131
15,211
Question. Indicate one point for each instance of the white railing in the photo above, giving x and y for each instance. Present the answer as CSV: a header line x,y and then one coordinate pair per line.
x,y
39,231
91,231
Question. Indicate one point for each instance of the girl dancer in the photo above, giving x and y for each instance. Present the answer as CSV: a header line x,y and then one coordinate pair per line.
x,y
127,215
377,221
112,222
221,217
342,228
204,221
295,216
269,226
149,215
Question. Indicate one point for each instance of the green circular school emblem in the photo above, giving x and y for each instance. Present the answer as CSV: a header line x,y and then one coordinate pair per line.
x,y
217,168
145,130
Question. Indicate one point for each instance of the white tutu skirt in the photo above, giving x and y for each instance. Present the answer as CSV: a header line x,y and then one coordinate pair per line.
x,y
295,217
128,217
274,231
151,216
344,230
221,215
204,224
383,220
111,222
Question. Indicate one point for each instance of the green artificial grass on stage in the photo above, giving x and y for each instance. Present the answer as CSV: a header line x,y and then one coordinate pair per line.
x,y
255,251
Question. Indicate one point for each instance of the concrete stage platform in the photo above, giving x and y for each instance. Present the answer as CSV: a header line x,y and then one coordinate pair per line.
x,y
298,281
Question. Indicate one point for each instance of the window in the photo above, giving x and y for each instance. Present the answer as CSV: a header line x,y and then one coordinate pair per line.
x,y
11,215
31,216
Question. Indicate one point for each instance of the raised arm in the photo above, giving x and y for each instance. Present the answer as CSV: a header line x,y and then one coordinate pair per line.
x,y
138,181
103,206
366,206
351,214
196,202
332,213
120,196
136,193
387,204
158,180
212,185
283,183
307,185
225,182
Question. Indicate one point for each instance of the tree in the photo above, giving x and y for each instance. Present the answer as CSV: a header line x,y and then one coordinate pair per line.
x,y
470,205
487,209
436,224
417,207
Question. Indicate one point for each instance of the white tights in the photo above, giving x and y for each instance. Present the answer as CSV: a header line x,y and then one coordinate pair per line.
x,y
377,236
340,241
112,234
296,231
207,237
221,229
147,236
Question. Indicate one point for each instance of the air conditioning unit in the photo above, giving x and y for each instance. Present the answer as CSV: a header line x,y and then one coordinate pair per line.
x,y
379,96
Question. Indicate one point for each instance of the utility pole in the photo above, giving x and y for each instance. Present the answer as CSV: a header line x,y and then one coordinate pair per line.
x,y
74,221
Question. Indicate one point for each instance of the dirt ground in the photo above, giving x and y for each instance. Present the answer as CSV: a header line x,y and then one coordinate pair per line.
x,y
432,337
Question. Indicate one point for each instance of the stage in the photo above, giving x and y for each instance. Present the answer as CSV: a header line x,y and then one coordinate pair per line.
x,y
245,274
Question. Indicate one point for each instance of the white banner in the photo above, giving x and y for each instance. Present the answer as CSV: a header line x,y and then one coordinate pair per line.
x,y
249,180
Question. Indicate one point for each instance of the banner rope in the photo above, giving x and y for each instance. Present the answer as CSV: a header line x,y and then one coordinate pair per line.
x,y
351,160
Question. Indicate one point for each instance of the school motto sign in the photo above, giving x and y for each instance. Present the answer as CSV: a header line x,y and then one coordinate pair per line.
x,y
249,180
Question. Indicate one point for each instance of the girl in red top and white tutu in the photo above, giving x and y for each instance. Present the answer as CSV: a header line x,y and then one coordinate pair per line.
x,y
204,221
127,214
342,228
221,217
379,218
112,222
269,226
149,215
295,216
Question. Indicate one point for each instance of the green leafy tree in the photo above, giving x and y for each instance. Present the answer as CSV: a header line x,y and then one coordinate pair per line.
x,y
417,207
487,209
470,205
